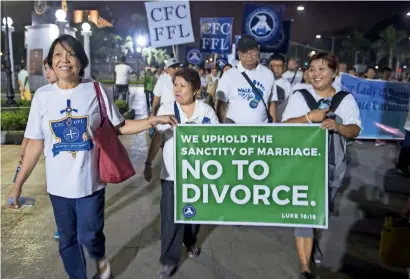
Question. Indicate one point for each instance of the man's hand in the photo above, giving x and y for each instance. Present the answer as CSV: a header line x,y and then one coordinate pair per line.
x,y
148,172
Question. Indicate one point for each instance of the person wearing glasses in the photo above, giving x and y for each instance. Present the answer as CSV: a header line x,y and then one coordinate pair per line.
x,y
283,86
237,101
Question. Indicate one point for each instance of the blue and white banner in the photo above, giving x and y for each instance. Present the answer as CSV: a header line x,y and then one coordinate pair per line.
x,y
216,35
281,45
263,23
383,105
194,56
221,62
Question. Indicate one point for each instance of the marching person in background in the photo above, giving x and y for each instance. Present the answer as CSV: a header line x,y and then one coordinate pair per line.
x,y
225,68
338,80
77,195
25,93
212,84
203,82
149,88
283,86
186,109
246,94
322,72
293,75
386,76
352,71
122,76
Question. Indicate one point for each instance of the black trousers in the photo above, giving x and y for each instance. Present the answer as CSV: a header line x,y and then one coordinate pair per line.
x,y
149,97
404,157
121,91
173,235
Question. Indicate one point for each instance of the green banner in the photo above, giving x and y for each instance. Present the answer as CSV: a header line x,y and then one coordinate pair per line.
x,y
265,175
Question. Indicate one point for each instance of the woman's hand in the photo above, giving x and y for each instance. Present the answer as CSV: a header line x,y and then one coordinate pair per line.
x,y
330,124
317,115
164,119
15,195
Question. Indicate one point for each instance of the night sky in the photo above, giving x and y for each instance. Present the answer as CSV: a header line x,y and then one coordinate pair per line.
x,y
325,18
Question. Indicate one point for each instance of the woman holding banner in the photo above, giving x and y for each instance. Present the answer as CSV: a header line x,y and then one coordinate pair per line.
x,y
186,109
342,119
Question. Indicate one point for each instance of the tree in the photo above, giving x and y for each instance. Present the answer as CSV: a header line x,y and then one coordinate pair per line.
x,y
154,55
357,44
390,43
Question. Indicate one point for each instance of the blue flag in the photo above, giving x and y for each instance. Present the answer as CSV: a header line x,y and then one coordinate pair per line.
x,y
282,43
194,56
216,35
263,23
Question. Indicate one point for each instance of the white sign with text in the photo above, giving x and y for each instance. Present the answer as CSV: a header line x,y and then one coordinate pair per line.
x,y
169,23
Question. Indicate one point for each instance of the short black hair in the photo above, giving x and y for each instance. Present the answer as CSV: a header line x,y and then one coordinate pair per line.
x,y
370,67
122,59
277,57
191,76
352,69
75,45
387,69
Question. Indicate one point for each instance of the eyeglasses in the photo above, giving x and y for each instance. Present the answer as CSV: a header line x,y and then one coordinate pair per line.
x,y
251,52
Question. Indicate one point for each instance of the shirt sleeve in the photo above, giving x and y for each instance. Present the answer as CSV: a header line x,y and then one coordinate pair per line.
x,y
34,129
161,127
114,115
350,111
210,113
274,92
296,107
222,91
157,88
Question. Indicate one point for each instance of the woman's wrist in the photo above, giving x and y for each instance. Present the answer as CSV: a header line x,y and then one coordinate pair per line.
x,y
308,118
151,121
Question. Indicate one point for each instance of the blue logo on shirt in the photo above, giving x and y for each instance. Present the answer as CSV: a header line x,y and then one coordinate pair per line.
x,y
206,120
248,94
70,133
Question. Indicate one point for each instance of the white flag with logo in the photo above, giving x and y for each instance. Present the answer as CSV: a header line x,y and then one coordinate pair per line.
x,y
169,23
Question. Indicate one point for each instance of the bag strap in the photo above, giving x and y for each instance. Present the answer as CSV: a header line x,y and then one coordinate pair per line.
x,y
310,101
255,91
101,102
176,113
294,77
337,99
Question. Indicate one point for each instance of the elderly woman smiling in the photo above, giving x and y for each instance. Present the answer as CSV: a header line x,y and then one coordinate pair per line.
x,y
187,84
62,119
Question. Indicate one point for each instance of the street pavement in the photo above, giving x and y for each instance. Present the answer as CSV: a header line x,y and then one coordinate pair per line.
x,y
370,189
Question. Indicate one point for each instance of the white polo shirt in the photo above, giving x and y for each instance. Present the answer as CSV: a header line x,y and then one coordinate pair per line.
x,y
203,114
122,74
348,110
165,89
66,121
243,106
289,76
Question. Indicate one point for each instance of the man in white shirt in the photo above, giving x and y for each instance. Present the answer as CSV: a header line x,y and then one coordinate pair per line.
x,y
292,74
236,100
164,89
122,75
203,82
283,86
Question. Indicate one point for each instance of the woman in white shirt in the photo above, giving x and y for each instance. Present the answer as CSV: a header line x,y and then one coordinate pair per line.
x,y
187,84
321,73
62,120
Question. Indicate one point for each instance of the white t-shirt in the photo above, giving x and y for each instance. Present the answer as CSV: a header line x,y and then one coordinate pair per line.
x,y
203,114
407,124
165,89
337,83
289,76
348,110
66,120
23,74
122,74
283,88
243,106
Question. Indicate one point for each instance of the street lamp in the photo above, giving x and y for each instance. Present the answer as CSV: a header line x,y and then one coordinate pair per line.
x,y
139,49
141,41
318,36
301,8
86,32
61,22
9,23
8,67
408,14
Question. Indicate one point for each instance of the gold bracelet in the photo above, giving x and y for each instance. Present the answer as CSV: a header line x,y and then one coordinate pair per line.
x,y
149,122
